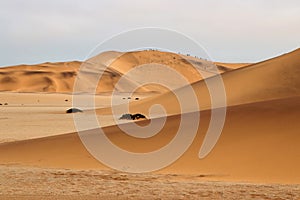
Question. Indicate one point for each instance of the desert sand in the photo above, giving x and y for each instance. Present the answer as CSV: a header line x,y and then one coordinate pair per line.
x,y
268,80
256,157
60,77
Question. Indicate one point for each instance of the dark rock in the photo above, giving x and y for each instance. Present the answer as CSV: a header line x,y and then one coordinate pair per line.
x,y
132,117
126,116
73,110
138,116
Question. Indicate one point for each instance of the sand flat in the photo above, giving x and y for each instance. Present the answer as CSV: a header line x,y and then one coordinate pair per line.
x,y
21,183
35,115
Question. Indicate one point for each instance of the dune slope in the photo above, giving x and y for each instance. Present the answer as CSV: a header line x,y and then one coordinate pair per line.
x,y
46,77
259,143
272,79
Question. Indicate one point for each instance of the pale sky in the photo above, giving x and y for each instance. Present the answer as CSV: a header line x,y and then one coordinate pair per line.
x,y
36,31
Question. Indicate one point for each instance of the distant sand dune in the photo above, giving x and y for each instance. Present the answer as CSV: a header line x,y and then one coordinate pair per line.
x,y
47,77
60,77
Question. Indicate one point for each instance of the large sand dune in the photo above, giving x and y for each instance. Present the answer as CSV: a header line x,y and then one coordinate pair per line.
x,y
60,77
271,79
259,143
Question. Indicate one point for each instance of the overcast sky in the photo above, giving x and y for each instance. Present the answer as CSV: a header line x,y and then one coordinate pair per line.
x,y
35,31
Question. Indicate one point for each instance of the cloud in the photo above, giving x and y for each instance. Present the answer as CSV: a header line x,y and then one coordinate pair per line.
x,y
35,31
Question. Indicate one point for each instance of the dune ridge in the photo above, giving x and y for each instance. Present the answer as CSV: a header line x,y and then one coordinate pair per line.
x,y
60,77
275,78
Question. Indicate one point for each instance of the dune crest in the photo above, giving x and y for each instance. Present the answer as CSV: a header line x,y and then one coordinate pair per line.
x,y
60,77
271,79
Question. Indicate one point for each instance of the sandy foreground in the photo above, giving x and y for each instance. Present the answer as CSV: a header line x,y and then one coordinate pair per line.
x,y
256,156
36,183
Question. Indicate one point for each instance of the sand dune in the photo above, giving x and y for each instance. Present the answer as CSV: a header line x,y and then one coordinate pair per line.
x,y
60,77
271,79
46,77
259,143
